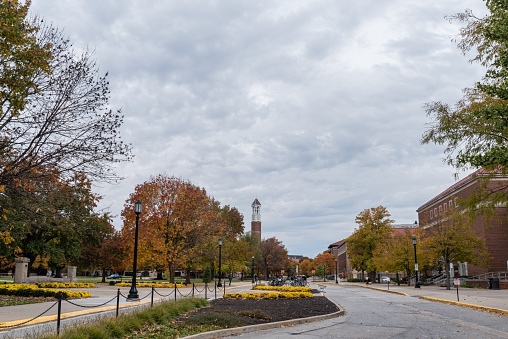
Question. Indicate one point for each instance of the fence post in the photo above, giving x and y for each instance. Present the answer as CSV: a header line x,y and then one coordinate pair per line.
x,y
215,289
206,287
224,291
152,297
175,290
193,290
117,301
59,314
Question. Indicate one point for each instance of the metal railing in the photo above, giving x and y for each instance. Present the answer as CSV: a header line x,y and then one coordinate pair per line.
x,y
486,276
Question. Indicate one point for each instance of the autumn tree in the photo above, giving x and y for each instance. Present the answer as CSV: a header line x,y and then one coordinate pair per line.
x,y
374,227
50,221
327,259
305,267
274,256
396,253
104,249
180,225
450,239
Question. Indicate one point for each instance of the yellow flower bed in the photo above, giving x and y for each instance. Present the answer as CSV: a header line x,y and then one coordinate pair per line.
x,y
155,285
65,285
283,288
268,295
34,291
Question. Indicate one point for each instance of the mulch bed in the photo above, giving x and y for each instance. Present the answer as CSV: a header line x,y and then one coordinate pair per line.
x,y
277,309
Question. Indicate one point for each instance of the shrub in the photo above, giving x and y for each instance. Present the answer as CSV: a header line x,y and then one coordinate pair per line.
x,y
255,314
223,319
283,288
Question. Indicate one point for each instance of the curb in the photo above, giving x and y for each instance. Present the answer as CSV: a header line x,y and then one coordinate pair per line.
x,y
444,301
458,303
370,288
260,327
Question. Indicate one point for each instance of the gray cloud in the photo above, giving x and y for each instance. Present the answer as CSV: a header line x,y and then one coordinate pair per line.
x,y
315,108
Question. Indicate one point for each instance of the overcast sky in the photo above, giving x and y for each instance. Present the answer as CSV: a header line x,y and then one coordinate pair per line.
x,y
313,107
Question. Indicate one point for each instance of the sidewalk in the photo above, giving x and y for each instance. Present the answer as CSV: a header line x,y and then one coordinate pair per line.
x,y
13,315
497,299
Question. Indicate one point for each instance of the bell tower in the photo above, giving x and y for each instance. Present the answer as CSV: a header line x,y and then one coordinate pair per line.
x,y
255,225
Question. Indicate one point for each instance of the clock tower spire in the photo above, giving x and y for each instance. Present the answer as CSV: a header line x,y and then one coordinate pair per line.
x,y
255,225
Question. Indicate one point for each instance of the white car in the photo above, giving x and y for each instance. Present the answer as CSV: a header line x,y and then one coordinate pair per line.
x,y
385,279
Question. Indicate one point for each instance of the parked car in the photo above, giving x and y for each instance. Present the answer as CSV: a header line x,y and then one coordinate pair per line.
x,y
114,276
385,279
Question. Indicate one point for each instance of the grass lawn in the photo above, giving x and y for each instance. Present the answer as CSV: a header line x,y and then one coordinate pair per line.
x,y
8,300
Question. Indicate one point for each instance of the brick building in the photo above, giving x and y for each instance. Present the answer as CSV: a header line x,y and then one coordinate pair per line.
x,y
494,231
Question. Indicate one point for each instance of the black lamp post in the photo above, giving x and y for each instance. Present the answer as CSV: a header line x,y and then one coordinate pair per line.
x,y
133,293
220,274
336,280
417,285
253,269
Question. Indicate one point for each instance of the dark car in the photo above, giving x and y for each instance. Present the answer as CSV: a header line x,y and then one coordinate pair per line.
x,y
114,276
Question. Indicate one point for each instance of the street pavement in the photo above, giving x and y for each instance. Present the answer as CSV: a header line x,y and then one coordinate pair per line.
x,y
373,313
106,296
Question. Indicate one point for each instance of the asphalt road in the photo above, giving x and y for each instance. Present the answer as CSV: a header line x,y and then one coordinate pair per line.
x,y
375,314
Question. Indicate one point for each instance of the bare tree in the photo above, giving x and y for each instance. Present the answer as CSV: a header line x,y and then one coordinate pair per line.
x,y
67,122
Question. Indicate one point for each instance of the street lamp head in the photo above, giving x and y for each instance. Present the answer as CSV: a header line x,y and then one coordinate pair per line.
x,y
252,257
414,240
137,207
220,241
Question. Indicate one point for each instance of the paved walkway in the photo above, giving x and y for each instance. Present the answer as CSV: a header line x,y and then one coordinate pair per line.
x,y
106,297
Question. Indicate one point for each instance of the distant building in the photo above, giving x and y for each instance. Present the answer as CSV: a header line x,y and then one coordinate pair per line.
x,y
339,250
255,225
295,257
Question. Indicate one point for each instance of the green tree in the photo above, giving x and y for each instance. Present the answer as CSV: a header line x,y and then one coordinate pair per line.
x,y
396,253
207,275
22,58
452,239
374,228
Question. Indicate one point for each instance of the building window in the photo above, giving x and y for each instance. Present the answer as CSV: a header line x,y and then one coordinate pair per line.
x,y
435,212
440,210
431,214
445,207
456,202
450,204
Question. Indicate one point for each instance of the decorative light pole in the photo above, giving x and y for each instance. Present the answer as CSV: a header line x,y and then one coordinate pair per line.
x,y
253,269
220,274
133,293
336,281
417,285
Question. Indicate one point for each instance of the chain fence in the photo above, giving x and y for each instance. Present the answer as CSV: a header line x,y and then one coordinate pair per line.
x,y
194,292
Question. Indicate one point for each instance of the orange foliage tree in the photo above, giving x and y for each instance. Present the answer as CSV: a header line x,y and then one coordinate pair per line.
x,y
179,224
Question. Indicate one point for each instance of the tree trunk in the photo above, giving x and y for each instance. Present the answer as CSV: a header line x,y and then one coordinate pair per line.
x,y
103,275
447,271
187,277
159,274
171,273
